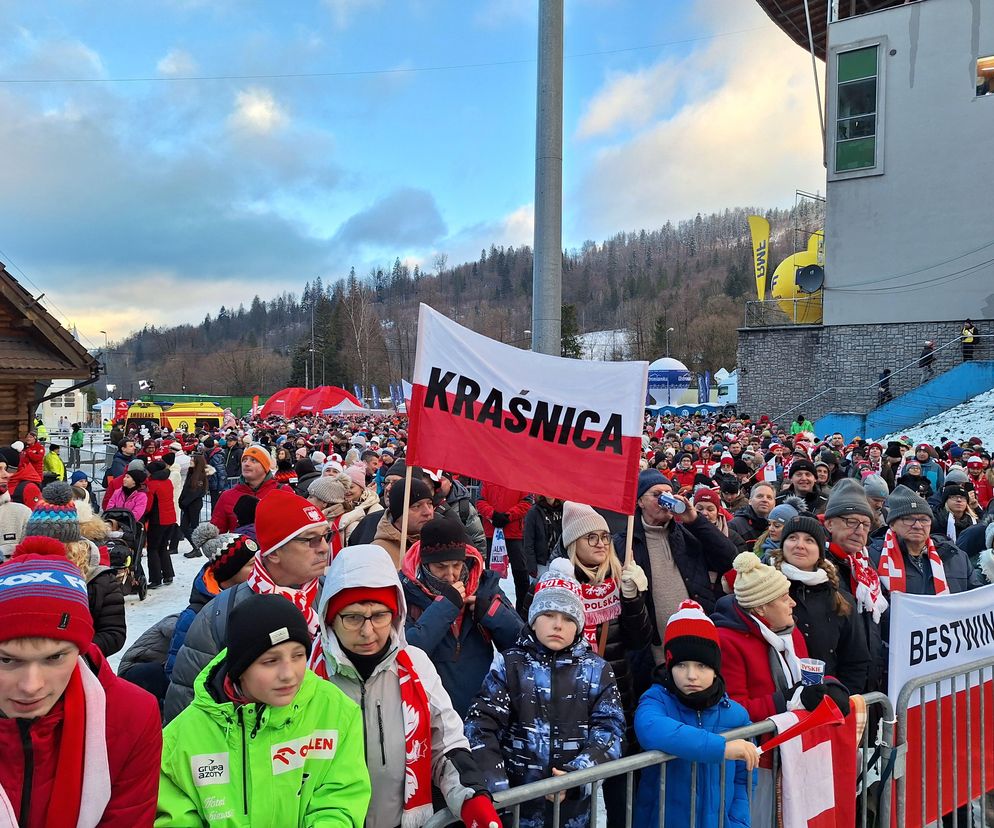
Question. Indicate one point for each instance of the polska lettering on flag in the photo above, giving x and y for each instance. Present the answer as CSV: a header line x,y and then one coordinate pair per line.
x,y
929,634
566,428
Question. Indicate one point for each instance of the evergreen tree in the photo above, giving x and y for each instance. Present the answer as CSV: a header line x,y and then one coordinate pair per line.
x,y
571,347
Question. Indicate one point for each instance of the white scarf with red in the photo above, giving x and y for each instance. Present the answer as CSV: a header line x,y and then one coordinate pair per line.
x,y
418,808
864,582
601,604
260,582
891,568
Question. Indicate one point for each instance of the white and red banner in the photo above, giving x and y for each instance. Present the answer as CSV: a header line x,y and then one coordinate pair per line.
x,y
819,768
566,428
255,406
928,634
768,473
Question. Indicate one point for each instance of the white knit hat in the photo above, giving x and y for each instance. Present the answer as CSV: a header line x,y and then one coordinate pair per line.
x,y
756,583
579,520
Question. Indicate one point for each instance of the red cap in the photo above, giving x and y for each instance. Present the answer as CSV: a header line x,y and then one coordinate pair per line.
x,y
386,595
281,516
707,496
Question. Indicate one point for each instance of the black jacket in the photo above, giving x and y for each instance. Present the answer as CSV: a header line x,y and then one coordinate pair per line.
x,y
110,629
748,524
698,548
815,499
838,640
543,529
365,529
871,628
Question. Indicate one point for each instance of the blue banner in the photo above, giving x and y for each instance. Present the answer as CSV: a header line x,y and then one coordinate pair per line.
x,y
686,410
704,387
358,395
376,397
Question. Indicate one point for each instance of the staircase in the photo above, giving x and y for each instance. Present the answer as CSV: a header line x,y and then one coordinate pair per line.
x,y
949,389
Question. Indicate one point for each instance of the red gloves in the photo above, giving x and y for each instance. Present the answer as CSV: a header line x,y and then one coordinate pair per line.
x,y
478,812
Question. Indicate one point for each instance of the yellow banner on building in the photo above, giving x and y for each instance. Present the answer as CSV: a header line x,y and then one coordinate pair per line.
x,y
760,230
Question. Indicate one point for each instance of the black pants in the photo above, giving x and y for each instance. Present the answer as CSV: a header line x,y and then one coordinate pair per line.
x,y
615,791
175,536
73,457
968,351
160,565
189,518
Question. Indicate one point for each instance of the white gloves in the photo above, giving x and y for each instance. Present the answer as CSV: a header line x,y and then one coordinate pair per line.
x,y
633,581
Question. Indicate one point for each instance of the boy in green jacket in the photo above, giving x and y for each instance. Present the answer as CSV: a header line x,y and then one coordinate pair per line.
x,y
265,743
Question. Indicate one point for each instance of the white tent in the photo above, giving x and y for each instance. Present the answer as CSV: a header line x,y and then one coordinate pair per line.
x,y
347,407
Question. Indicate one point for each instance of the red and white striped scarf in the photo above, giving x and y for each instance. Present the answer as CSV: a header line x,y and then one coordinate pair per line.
x,y
418,807
260,582
891,567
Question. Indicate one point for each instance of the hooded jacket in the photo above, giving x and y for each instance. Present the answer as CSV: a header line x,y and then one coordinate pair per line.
x,y
103,590
13,520
538,710
223,516
663,723
134,742
453,770
747,661
229,765
459,641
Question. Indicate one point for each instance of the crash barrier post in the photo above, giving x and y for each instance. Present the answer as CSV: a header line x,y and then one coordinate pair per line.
x,y
510,801
951,714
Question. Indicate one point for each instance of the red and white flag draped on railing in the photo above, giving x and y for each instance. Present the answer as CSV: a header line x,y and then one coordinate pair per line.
x,y
566,428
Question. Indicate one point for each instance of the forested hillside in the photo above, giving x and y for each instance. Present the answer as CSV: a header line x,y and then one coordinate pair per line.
x,y
693,276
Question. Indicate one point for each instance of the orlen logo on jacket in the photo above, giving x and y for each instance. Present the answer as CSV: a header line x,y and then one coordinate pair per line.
x,y
210,769
321,744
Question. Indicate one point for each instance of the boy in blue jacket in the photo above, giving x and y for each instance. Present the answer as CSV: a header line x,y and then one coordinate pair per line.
x,y
683,714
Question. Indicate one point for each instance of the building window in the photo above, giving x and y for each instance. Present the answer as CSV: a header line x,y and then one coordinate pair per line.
x,y
65,401
856,118
985,76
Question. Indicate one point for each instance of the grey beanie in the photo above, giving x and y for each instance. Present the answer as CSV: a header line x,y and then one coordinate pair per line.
x,y
957,474
848,498
782,512
875,486
558,591
903,502
328,489
136,465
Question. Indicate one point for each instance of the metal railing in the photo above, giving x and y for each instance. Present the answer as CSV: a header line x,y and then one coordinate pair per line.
x,y
910,370
511,800
919,687
771,313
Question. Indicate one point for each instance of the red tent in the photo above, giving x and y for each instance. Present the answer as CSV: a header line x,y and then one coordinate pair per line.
x,y
283,403
318,399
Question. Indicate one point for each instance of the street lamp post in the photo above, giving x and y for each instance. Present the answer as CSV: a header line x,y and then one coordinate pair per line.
x,y
668,331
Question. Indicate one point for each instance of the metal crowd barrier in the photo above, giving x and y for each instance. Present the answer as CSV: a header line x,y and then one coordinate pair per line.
x,y
932,741
511,800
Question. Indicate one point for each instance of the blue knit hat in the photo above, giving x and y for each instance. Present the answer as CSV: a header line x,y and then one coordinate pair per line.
x,y
650,478
54,516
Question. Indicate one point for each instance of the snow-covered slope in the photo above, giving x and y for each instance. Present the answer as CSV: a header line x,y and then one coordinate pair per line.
x,y
974,418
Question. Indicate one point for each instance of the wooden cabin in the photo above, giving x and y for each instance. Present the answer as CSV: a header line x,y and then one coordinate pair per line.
x,y
34,350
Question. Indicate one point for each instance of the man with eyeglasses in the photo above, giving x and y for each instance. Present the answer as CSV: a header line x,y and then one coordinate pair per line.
x,y
294,547
911,559
848,520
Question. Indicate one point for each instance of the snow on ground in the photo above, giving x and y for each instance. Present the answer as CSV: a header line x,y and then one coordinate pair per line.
x,y
605,346
974,418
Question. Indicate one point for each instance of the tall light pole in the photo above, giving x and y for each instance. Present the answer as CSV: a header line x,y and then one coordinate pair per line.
x,y
547,268
668,331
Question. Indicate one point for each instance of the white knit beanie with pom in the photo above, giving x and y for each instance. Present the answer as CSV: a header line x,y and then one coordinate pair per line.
x,y
756,583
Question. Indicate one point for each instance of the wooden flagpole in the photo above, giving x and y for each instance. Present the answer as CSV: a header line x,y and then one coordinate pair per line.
x,y
403,519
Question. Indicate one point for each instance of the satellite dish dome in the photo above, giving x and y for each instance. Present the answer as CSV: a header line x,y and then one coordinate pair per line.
x,y
667,375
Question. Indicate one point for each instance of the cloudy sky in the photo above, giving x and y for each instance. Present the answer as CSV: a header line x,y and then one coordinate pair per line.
x,y
164,157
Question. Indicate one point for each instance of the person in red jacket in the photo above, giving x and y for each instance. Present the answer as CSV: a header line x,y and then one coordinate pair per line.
x,y
80,746
504,508
685,473
980,480
761,649
23,483
161,514
257,481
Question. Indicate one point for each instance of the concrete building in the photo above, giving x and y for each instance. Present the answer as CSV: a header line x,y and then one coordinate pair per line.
x,y
909,241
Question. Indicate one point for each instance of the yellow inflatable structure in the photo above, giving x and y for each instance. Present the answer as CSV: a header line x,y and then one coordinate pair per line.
x,y
802,308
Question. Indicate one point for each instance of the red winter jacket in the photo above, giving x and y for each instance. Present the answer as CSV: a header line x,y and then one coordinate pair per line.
x,y
24,491
134,748
745,660
35,457
161,504
495,498
984,490
224,513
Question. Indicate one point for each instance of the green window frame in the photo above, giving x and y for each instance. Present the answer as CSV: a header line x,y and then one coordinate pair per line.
x,y
856,109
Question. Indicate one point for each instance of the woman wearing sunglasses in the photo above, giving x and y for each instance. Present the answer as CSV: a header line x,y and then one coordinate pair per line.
x,y
414,738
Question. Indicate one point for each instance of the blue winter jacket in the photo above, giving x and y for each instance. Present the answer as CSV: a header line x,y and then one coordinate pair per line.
x,y
539,710
462,660
663,723
200,596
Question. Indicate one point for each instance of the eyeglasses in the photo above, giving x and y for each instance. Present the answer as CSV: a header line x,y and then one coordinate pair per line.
x,y
915,521
317,541
598,539
354,621
856,523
